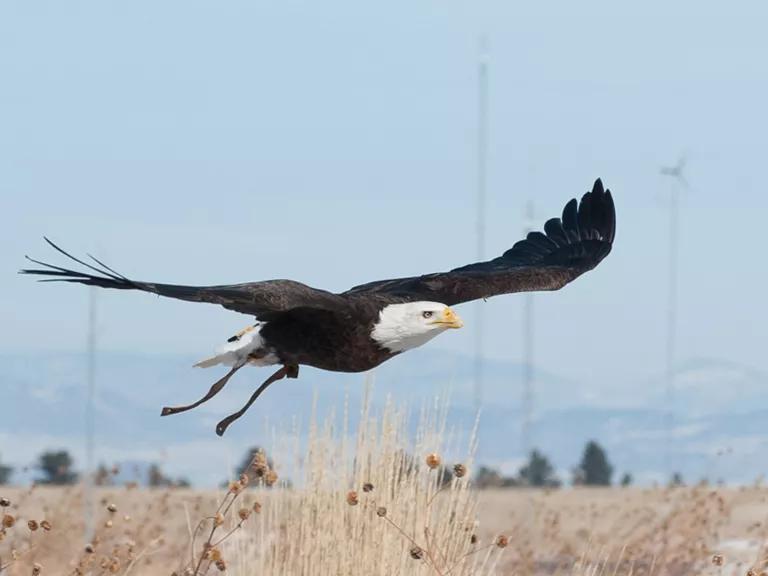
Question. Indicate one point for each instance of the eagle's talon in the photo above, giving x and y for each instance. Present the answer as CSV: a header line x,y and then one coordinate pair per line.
x,y
222,426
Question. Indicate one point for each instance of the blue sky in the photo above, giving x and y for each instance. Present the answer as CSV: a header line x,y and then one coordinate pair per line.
x,y
334,143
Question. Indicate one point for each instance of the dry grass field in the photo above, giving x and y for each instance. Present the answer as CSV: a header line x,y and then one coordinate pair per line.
x,y
376,502
581,531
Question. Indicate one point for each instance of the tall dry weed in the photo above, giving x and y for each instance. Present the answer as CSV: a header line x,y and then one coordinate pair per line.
x,y
375,502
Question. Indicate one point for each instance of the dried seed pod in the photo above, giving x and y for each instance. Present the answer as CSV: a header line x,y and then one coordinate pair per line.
x,y
259,464
416,553
112,507
271,478
36,569
207,550
89,549
256,507
4,502
243,513
218,519
381,511
433,460
244,480
46,525
352,499
473,539
8,521
367,487
459,470
502,541
32,525
717,559
221,565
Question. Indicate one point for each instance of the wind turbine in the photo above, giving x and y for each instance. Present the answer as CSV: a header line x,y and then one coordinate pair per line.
x,y
676,171
679,182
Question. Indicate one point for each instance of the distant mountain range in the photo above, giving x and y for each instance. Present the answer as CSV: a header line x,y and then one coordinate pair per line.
x,y
719,413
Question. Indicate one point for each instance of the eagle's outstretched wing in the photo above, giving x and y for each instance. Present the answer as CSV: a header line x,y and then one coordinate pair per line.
x,y
567,248
261,299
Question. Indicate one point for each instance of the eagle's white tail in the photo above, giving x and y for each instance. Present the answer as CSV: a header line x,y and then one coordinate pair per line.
x,y
246,346
208,362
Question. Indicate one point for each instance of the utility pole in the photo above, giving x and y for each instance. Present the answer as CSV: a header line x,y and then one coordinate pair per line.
x,y
90,417
482,166
676,173
526,440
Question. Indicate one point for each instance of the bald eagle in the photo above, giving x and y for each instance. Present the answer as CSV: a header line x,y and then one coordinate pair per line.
x,y
356,330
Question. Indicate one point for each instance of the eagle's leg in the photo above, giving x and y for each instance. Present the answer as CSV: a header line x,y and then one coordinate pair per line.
x,y
285,371
215,389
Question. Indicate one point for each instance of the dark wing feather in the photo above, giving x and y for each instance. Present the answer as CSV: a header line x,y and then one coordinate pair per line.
x,y
568,247
261,299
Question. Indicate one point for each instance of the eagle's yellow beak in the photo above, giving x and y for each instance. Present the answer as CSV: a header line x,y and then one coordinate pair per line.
x,y
449,319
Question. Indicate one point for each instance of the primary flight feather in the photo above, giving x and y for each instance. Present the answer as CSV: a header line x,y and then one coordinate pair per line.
x,y
356,330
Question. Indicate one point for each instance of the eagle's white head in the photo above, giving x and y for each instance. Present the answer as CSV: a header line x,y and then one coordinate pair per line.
x,y
404,326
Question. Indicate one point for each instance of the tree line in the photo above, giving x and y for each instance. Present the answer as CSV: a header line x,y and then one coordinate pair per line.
x,y
56,467
594,469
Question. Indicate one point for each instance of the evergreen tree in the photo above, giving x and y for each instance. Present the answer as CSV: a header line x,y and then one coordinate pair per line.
x,y
5,473
626,479
487,477
102,476
56,467
594,469
538,471
677,480
156,478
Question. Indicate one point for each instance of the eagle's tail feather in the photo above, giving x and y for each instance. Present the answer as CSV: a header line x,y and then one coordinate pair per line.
x,y
208,362
103,276
247,346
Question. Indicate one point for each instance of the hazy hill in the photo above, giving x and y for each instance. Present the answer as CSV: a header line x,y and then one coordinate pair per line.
x,y
717,424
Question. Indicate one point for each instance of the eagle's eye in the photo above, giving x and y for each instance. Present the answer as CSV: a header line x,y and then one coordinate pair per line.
x,y
427,314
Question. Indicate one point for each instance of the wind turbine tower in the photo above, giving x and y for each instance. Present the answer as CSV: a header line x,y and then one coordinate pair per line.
x,y
675,173
482,165
526,439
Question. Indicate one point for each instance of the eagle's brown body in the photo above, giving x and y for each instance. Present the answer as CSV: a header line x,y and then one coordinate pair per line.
x,y
338,340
